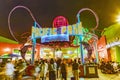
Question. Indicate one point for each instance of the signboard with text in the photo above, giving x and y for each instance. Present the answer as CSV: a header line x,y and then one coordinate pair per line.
x,y
59,34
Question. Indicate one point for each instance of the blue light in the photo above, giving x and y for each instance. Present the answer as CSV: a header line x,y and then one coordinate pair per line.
x,y
57,37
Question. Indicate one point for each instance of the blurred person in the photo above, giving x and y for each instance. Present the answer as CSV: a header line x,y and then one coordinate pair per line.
x,y
43,70
30,71
19,70
58,66
37,69
52,70
109,67
2,71
75,69
63,70
103,66
79,60
9,70
115,66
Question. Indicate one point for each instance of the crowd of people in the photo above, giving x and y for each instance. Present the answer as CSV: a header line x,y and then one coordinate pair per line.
x,y
42,69
109,67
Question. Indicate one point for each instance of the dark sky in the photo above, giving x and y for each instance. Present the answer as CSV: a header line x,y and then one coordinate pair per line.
x,y
46,10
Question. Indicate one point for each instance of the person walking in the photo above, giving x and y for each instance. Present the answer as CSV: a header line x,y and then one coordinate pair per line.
x,y
63,70
37,69
75,70
9,70
52,70
58,62
43,70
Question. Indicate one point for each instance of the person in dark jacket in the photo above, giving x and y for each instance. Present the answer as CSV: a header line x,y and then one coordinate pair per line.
x,y
75,69
58,66
52,70
63,70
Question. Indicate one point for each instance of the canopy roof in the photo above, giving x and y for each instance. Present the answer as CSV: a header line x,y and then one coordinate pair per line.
x,y
6,40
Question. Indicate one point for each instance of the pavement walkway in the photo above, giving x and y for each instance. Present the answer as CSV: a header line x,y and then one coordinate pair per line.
x,y
100,74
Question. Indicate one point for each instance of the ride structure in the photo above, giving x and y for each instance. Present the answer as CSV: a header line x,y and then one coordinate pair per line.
x,y
63,35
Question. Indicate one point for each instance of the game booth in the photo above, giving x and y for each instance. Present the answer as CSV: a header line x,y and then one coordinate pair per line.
x,y
64,41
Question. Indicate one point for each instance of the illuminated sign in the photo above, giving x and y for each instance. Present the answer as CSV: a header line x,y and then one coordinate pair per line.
x,y
50,38
74,29
57,34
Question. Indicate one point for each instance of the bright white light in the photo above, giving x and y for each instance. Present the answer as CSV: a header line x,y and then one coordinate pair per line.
x,y
6,49
75,51
112,44
69,52
118,18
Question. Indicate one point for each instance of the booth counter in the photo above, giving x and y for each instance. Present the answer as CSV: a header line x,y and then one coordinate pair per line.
x,y
88,71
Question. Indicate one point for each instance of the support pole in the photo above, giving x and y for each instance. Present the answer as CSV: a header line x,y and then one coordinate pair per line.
x,y
33,49
81,50
96,53
33,45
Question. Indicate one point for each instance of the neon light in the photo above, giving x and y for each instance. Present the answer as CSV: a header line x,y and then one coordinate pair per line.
x,y
54,31
70,29
60,21
75,29
112,44
64,30
58,37
96,17
9,16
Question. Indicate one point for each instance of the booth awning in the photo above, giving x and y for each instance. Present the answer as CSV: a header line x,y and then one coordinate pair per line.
x,y
6,40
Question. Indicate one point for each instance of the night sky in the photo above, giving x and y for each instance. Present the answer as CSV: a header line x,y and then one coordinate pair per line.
x,y
46,10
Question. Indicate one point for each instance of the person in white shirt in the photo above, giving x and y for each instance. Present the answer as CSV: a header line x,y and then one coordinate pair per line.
x,y
9,70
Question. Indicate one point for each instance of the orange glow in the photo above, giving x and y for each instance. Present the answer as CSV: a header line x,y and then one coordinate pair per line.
x,y
102,50
8,47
